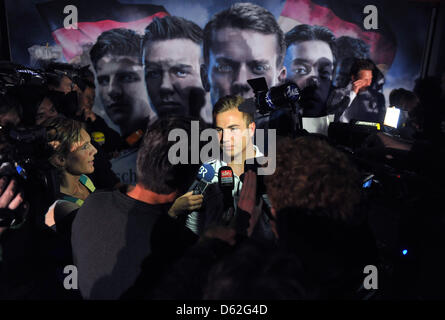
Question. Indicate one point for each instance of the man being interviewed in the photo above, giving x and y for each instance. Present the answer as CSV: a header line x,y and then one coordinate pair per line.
x,y
235,130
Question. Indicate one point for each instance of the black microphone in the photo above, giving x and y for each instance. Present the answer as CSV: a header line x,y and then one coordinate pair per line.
x,y
226,183
203,179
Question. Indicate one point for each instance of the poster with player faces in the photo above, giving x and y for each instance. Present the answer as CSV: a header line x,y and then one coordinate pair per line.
x,y
177,76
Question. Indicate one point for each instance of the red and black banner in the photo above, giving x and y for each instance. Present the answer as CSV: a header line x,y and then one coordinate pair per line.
x,y
94,17
342,19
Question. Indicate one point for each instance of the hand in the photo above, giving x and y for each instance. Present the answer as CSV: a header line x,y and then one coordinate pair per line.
x,y
248,198
187,202
359,84
11,198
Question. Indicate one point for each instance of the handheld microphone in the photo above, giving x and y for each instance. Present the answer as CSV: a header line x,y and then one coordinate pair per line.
x,y
203,179
226,182
225,178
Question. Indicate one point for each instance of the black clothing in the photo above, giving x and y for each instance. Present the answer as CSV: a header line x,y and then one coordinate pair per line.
x,y
368,105
32,264
113,141
113,233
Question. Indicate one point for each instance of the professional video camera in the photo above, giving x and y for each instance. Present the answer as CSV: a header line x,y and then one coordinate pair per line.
x,y
24,155
277,108
24,151
19,81
14,75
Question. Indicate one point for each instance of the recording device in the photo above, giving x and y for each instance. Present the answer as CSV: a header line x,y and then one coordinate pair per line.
x,y
280,102
203,179
15,75
24,155
226,182
279,97
225,178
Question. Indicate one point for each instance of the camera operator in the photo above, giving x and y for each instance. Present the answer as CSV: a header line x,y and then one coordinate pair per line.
x,y
358,101
32,257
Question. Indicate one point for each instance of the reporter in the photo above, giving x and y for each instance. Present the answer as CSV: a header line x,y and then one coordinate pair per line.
x,y
72,155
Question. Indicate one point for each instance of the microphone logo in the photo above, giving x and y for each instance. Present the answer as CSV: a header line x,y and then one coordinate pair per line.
x,y
202,171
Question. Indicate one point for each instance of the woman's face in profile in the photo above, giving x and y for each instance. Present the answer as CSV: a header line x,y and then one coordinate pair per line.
x,y
81,158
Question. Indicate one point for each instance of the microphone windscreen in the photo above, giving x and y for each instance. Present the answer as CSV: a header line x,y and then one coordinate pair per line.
x,y
206,173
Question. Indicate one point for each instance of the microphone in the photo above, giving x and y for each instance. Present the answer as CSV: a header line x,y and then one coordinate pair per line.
x,y
226,182
203,179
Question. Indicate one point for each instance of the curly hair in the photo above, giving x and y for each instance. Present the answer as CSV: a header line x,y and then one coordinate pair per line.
x,y
311,174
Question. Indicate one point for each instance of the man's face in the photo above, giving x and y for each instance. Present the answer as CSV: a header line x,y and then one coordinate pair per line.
x,y
66,86
365,76
233,133
9,118
309,62
87,98
46,110
122,89
310,65
238,55
172,72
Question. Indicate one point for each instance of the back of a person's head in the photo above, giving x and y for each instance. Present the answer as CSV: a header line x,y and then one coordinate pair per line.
x,y
116,42
402,98
311,174
172,27
315,192
154,168
245,16
254,272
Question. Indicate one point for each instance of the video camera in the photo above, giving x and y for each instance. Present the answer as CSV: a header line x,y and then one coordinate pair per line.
x,y
24,155
278,106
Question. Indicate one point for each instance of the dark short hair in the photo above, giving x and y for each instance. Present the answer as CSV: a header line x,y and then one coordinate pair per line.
x,y
154,171
348,47
311,174
245,16
305,32
172,27
9,103
118,42
362,64
229,103
401,98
